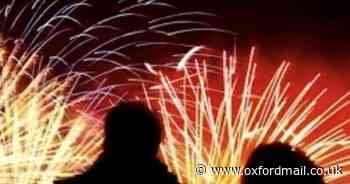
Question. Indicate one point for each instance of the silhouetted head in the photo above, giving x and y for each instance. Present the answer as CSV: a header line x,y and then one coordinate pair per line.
x,y
278,155
132,130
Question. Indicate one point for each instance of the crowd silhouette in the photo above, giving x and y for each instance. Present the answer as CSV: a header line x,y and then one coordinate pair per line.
x,y
284,156
132,138
133,134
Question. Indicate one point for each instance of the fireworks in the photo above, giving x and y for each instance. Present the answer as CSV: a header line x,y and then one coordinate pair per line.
x,y
100,45
209,119
42,136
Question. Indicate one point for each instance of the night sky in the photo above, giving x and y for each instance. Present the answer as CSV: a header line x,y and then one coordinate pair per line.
x,y
314,37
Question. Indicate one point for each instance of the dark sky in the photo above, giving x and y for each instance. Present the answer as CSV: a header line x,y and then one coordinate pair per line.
x,y
285,29
292,30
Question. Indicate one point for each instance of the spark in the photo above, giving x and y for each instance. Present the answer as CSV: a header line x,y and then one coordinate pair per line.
x,y
150,68
187,56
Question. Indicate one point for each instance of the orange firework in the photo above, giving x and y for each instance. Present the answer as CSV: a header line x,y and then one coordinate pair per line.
x,y
209,119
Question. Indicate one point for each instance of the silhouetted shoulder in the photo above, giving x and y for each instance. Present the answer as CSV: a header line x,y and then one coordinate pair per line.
x,y
96,174
163,175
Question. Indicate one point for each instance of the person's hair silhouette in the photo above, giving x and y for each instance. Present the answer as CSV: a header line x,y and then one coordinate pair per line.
x,y
132,138
278,155
133,129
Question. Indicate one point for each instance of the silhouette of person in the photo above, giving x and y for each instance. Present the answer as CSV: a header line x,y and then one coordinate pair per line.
x,y
132,139
278,155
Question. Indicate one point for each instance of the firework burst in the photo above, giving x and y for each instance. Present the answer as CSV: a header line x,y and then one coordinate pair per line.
x,y
209,119
41,132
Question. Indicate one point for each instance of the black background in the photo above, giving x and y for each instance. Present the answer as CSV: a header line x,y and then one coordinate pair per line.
x,y
293,30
